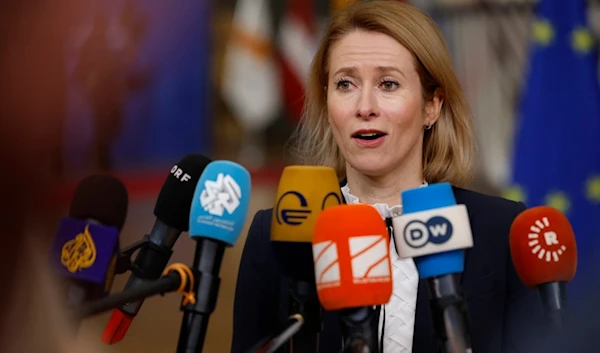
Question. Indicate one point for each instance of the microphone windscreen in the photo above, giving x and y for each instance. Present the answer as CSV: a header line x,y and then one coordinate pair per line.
x,y
102,198
351,253
220,203
542,246
175,197
85,252
441,224
303,192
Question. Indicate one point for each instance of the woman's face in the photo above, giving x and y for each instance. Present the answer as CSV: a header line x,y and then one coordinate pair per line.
x,y
375,103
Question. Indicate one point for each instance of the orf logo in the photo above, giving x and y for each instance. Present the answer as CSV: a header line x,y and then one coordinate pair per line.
x,y
292,216
436,230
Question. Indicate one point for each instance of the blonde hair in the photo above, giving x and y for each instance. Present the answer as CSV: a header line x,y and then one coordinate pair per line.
x,y
448,147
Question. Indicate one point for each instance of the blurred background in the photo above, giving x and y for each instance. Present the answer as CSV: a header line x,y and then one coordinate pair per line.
x,y
137,84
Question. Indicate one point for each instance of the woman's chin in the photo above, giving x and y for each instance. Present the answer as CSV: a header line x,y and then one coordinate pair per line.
x,y
372,170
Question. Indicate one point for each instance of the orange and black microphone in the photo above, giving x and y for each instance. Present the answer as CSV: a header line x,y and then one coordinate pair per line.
x,y
544,252
351,253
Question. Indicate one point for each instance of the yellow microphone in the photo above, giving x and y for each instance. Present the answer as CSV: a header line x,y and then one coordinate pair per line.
x,y
303,193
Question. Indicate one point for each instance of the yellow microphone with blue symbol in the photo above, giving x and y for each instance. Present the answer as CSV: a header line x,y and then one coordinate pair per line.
x,y
303,192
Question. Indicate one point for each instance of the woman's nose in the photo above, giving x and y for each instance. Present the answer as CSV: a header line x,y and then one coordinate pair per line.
x,y
367,105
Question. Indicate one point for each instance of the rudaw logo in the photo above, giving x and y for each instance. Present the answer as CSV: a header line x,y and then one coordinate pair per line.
x,y
221,195
548,249
327,265
369,256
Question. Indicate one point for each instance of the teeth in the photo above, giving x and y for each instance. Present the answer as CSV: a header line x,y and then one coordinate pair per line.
x,y
369,135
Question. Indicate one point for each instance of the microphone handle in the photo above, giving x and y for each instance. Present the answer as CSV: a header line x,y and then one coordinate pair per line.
x,y
554,299
304,300
155,250
273,342
357,345
360,327
450,316
167,283
207,264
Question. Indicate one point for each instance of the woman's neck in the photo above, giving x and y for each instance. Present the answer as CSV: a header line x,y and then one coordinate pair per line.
x,y
385,188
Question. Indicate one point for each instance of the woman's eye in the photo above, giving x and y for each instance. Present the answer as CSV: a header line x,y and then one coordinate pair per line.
x,y
389,85
343,84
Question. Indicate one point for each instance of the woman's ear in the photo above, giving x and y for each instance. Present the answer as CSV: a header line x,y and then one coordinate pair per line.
x,y
433,107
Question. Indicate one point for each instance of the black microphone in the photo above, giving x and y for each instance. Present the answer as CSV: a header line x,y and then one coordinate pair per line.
x,y
172,212
218,214
85,249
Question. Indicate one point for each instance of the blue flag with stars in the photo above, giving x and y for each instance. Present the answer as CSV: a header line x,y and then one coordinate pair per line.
x,y
557,141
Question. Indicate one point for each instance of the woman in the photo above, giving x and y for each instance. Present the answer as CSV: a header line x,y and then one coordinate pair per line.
x,y
384,107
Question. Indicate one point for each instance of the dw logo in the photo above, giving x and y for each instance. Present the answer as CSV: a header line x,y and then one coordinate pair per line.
x,y
436,230
221,195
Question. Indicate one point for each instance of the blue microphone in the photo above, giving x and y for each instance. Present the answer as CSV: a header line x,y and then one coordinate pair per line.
x,y
217,216
434,231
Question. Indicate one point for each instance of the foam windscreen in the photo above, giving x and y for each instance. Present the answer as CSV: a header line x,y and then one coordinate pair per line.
x,y
351,254
303,193
220,204
102,198
542,246
175,197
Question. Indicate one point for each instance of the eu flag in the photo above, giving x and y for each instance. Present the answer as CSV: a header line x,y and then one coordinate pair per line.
x,y
557,142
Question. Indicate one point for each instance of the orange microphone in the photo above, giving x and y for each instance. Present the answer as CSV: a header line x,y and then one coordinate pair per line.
x,y
543,250
351,252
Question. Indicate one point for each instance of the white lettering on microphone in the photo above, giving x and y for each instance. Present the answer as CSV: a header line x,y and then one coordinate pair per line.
x,y
551,238
438,229
180,174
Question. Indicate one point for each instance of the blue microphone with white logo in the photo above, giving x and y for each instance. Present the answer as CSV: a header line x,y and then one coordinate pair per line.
x,y
434,231
218,213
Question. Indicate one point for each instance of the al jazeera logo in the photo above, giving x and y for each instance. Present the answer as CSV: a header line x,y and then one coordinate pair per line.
x,y
79,253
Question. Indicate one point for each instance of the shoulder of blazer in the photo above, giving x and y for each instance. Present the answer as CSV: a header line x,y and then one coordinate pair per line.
x,y
490,216
493,206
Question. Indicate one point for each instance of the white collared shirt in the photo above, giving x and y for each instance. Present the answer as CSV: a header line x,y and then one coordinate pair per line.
x,y
398,314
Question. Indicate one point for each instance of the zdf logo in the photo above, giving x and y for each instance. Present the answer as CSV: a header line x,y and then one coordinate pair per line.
x,y
436,230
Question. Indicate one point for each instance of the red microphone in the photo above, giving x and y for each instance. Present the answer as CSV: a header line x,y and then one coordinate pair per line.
x,y
353,271
544,252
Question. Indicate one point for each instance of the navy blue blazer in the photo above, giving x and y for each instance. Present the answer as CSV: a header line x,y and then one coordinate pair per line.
x,y
505,315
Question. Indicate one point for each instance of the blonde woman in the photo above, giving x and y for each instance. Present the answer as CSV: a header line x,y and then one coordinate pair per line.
x,y
385,109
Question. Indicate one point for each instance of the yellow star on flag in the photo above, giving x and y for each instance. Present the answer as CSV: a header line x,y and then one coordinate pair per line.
x,y
514,193
542,32
582,40
593,189
558,200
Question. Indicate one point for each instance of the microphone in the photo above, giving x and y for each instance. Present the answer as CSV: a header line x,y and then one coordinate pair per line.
x,y
353,271
434,231
303,192
544,253
218,214
85,249
172,211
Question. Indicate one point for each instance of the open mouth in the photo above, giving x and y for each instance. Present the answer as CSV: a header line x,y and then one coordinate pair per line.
x,y
368,135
